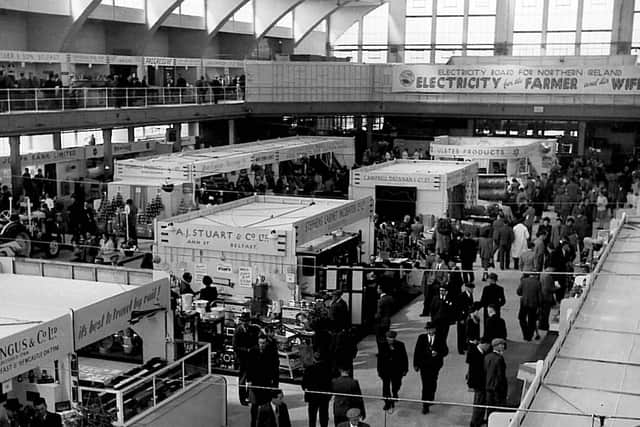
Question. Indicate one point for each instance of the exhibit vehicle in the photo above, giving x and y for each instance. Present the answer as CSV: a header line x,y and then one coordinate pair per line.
x,y
500,159
271,257
417,188
224,173
99,350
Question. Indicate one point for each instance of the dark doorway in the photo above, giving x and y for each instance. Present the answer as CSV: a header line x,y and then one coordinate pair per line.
x,y
393,203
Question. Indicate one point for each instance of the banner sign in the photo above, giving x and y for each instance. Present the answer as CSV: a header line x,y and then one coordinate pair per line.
x,y
509,79
21,56
373,178
159,61
47,157
81,58
123,60
253,241
28,349
477,152
97,321
332,220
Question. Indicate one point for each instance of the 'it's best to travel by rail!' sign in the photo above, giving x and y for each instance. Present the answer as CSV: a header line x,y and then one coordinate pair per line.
x,y
516,79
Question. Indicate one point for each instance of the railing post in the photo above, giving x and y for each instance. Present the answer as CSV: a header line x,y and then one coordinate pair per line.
x,y
163,98
183,381
35,99
120,408
106,97
210,92
146,96
84,95
62,97
9,100
180,95
155,398
126,96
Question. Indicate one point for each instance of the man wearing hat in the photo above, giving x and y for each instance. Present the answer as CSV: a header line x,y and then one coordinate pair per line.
x,y
476,380
353,415
15,417
496,375
492,294
338,312
443,312
472,326
428,358
463,309
393,364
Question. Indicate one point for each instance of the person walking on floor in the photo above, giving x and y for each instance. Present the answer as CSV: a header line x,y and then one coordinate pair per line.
x,y
495,326
492,294
472,327
347,396
317,377
548,293
519,245
383,314
530,294
428,358
464,304
540,250
274,413
244,339
443,312
468,255
487,250
476,381
354,419
527,258
263,373
503,238
393,365
496,386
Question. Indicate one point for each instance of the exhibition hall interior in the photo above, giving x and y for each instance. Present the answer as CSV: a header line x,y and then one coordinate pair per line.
x,y
314,213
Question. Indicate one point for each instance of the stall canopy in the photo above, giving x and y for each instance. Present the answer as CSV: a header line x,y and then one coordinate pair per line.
x,y
37,314
191,165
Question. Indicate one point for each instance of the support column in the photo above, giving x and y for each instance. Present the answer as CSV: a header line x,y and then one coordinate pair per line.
x,y
360,41
471,125
622,27
16,167
397,25
582,136
232,131
370,120
131,134
108,153
57,141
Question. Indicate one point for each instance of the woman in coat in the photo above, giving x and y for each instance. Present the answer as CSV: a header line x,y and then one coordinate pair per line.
x,y
519,245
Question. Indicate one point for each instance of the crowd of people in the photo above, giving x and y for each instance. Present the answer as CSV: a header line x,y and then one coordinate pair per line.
x,y
17,93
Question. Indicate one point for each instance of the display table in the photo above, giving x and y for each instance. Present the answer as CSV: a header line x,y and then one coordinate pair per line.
x,y
100,372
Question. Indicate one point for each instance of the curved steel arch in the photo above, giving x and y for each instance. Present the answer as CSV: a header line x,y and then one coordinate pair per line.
x,y
343,18
218,12
310,14
267,13
80,12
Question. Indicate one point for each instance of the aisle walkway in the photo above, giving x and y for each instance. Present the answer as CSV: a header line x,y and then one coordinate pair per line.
x,y
451,386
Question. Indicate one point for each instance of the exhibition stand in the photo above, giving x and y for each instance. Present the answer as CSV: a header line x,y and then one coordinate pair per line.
x,y
272,257
417,187
499,158
92,350
175,177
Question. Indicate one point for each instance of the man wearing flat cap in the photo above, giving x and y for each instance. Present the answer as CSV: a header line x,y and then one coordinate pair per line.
x,y
393,364
428,358
496,375
354,417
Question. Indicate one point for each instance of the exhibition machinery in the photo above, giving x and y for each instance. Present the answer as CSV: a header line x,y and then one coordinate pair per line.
x,y
174,179
499,158
270,256
97,350
417,188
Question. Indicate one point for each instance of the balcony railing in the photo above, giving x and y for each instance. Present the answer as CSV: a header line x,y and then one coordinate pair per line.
x,y
63,99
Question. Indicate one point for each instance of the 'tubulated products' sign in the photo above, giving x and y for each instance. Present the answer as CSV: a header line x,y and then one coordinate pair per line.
x,y
477,152
223,238
27,349
540,79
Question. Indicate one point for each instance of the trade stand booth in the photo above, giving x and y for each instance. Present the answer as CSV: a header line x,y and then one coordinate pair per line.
x,y
498,158
417,187
269,256
172,180
96,352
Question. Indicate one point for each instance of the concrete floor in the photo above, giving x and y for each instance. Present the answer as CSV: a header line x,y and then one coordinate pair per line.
x,y
451,386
